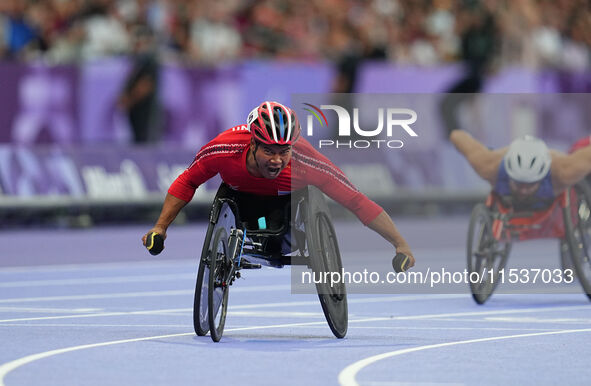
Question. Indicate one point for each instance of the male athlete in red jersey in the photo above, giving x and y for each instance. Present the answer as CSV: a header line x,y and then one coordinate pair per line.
x,y
268,157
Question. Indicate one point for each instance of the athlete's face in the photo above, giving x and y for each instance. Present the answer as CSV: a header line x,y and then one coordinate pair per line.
x,y
523,190
271,159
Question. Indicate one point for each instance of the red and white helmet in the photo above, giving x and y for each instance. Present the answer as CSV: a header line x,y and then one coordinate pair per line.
x,y
274,124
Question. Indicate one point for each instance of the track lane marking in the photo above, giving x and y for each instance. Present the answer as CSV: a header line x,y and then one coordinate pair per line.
x,y
13,365
348,374
396,328
98,280
117,295
404,317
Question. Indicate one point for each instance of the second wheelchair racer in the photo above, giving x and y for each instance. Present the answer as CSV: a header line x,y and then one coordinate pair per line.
x,y
526,175
268,157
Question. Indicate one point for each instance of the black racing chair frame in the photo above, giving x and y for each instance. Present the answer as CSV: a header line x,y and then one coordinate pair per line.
x,y
233,242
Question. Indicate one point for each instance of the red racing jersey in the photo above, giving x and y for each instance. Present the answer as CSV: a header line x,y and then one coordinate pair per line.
x,y
226,155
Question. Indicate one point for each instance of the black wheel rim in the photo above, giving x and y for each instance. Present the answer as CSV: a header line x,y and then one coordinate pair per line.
x,y
332,299
331,260
203,315
217,285
582,240
486,255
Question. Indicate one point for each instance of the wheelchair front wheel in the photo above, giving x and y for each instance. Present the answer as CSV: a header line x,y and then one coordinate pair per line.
x,y
200,315
325,257
218,285
485,254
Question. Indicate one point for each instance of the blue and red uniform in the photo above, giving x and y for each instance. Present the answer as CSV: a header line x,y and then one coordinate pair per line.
x,y
226,155
543,198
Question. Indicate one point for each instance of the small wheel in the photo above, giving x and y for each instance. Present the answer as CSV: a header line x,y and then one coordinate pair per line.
x,y
325,257
578,234
486,255
218,285
200,317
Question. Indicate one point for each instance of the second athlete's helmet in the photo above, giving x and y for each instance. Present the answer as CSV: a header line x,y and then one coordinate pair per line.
x,y
274,124
527,160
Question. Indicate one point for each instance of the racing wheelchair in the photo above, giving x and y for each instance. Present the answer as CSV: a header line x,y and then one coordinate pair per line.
x,y
246,231
494,225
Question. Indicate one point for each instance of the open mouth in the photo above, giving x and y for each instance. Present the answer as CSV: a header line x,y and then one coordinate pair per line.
x,y
273,171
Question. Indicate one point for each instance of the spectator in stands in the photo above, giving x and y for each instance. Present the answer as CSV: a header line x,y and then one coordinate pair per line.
x,y
139,98
424,33
479,44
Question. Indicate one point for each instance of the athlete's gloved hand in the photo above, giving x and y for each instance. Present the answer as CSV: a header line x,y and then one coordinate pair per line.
x,y
154,240
403,259
400,262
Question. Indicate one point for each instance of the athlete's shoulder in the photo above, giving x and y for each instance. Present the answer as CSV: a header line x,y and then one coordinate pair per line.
x,y
303,150
228,143
581,143
302,146
307,159
236,134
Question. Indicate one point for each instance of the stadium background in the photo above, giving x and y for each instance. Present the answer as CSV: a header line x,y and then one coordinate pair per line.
x,y
104,102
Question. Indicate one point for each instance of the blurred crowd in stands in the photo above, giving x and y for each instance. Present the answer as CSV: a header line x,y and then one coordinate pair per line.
x,y
532,33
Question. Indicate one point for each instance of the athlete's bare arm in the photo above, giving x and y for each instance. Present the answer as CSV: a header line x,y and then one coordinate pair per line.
x,y
385,227
568,169
170,209
484,161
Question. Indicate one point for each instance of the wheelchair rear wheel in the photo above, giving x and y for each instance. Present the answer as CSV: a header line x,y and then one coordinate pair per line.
x,y
578,234
218,285
486,255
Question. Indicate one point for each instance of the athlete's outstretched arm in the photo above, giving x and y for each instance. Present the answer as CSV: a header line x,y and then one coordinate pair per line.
x,y
568,169
484,161
170,209
384,225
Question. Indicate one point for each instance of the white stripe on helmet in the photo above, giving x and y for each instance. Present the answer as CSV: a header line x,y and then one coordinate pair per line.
x,y
272,121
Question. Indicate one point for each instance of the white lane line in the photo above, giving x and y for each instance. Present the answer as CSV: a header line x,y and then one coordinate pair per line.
x,y
68,325
529,320
132,264
49,310
388,318
97,315
489,320
380,299
115,295
398,298
118,295
398,328
98,280
394,328
278,314
12,365
348,374
493,312
233,309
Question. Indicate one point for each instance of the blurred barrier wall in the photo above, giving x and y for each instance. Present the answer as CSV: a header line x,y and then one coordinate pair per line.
x,y
69,105
65,140
45,176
